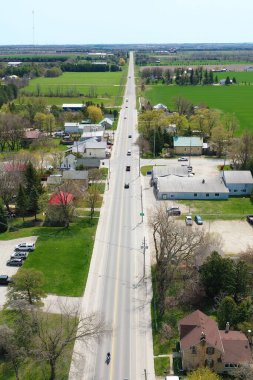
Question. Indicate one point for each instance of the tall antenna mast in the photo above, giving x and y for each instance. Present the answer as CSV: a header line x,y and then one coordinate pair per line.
x,y
33,28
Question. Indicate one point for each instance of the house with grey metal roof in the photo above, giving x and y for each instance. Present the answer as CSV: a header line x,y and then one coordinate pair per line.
x,y
175,187
164,171
188,145
239,182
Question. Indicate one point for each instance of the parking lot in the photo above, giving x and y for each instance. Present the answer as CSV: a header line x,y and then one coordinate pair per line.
x,y
236,235
6,249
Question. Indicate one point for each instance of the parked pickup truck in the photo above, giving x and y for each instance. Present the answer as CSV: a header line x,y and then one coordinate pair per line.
x,y
250,219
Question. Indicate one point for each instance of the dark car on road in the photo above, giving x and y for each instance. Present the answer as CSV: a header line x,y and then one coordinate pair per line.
x,y
128,168
126,186
5,280
250,219
15,262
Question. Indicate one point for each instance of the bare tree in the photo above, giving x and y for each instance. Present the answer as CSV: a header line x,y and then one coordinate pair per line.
x,y
183,106
52,342
92,197
9,184
175,245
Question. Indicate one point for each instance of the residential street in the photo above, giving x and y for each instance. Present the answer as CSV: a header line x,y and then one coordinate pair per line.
x,y
116,289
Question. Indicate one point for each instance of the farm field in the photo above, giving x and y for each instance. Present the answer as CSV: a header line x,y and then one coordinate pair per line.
x,y
243,76
229,99
108,86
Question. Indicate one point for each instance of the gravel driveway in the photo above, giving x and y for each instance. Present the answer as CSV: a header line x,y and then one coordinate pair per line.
x,y
6,249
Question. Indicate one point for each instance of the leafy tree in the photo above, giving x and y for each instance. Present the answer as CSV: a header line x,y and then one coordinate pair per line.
x,y
92,196
217,275
22,202
203,374
3,218
94,113
220,138
227,312
27,285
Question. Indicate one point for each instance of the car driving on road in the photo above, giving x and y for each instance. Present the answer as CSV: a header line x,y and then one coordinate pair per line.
x,y
182,159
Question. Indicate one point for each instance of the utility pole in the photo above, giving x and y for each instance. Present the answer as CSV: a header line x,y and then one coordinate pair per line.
x,y
139,162
142,213
144,247
145,374
154,142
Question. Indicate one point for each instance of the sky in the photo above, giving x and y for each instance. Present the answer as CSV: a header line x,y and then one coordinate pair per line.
x,y
125,21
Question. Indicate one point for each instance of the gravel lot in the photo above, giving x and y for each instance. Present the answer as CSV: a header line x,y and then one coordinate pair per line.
x,y
236,235
6,249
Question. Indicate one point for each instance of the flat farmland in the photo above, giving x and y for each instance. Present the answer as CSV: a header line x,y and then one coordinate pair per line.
x,y
109,86
243,76
236,99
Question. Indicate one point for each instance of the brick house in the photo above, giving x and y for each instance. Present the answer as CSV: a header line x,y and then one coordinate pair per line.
x,y
202,344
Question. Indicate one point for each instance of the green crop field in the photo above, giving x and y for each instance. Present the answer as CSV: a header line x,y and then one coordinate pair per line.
x,y
242,76
236,99
107,87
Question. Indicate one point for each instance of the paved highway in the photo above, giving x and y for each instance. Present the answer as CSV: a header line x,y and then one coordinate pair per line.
x,y
115,287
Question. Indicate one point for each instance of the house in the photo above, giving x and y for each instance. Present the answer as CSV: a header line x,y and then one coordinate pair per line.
x,y
73,107
188,145
69,162
61,198
175,187
30,135
54,180
202,344
82,127
106,123
14,64
160,107
95,149
77,177
72,128
239,182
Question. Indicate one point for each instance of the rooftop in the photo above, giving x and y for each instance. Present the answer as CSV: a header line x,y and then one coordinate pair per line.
x,y
164,171
175,184
193,141
75,174
61,198
238,176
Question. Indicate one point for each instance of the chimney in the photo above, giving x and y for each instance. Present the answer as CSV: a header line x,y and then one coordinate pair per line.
x,y
227,328
203,337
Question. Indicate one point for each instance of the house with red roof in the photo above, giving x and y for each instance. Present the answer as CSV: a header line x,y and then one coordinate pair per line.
x,y
202,344
61,198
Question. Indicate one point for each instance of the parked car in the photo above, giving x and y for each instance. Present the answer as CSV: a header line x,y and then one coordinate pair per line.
x,y
27,247
183,159
15,262
5,280
188,220
198,219
250,219
173,211
128,168
126,186
19,255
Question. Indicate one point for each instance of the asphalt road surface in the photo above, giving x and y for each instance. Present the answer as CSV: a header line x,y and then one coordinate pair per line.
x,y
116,288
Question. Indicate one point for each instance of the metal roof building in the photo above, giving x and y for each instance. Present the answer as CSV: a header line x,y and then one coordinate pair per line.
x,y
239,182
175,187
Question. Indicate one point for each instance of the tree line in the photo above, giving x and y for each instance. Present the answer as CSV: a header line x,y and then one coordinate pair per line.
x,y
88,67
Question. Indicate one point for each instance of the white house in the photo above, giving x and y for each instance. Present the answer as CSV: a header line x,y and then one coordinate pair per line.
x,y
95,149
98,135
160,107
69,162
239,182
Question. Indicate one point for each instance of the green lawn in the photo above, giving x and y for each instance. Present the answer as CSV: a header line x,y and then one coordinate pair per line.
x,y
147,168
162,366
236,99
233,208
62,255
242,76
31,369
100,87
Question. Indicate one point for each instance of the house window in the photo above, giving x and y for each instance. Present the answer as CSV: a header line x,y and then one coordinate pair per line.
x,y
195,194
210,350
193,350
207,195
217,194
235,191
244,190
164,196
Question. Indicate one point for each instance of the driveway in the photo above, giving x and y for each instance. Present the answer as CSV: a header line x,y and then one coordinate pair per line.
x,y
6,249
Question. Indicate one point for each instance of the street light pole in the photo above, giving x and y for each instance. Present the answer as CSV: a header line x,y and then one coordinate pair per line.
x,y
144,247
145,374
141,207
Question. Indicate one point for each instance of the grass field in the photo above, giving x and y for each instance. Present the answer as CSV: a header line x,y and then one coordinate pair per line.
x,y
230,99
231,209
106,87
62,255
240,77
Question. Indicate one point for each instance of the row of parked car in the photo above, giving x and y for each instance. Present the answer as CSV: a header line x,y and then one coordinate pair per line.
x,y
20,254
175,211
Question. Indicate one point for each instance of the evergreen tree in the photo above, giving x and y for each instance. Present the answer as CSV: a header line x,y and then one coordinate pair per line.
x,y
216,79
3,218
22,202
227,81
210,77
227,312
32,179
234,80
34,201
